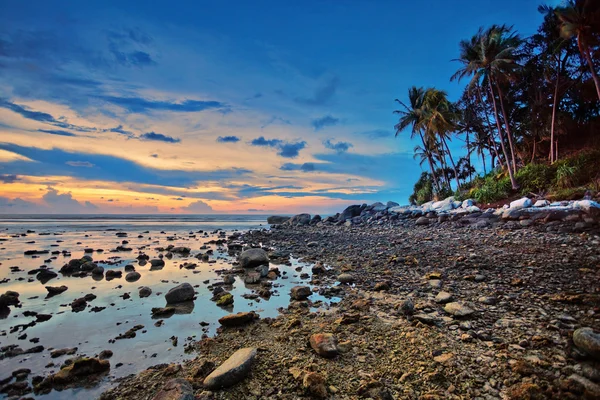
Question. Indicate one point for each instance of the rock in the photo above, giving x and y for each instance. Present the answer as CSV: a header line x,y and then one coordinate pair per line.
x,y
225,300
56,290
9,298
61,352
98,271
324,344
157,262
345,278
591,389
300,292
524,202
407,307
132,276
422,221
233,370
228,279
276,219
541,203
300,219
105,354
180,293
381,286
162,311
350,212
252,258
112,274
588,341
241,318
145,291
489,300
314,384
458,309
443,298
45,275
176,389
391,204
79,369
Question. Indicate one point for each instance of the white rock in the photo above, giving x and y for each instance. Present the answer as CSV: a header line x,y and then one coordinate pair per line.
x,y
586,205
378,207
444,205
468,203
521,203
541,203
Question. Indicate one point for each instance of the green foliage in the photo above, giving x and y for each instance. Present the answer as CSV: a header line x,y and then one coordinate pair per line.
x,y
493,188
565,174
423,190
535,178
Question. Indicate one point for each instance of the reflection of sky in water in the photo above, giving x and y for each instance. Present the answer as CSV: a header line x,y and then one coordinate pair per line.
x,y
90,331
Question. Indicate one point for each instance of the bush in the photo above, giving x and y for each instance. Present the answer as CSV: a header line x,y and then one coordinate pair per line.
x,y
493,188
535,178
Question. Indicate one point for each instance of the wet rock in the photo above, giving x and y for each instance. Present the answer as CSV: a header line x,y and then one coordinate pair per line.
x,y
112,274
79,371
162,311
132,276
345,278
105,354
252,258
588,341
275,219
324,344
145,291
225,300
56,290
9,298
157,262
98,271
61,352
300,293
233,370
45,275
239,319
180,293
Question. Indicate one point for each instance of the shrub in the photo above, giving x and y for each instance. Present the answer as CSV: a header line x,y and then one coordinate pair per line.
x,y
493,188
535,178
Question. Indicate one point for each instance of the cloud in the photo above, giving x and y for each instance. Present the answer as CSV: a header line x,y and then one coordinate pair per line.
x,y
85,164
141,105
159,137
322,94
119,129
377,133
339,147
56,132
323,122
306,167
198,207
261,141
5,178
228,139
285,149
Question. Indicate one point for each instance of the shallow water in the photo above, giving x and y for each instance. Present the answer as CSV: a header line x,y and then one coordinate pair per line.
x,y
91,331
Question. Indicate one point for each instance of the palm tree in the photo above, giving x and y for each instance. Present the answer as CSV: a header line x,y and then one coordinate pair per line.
x,y
490,57
413,116
581,19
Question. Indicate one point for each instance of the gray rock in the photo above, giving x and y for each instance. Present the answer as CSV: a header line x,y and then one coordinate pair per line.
x,y
132,276
587,340
176,389
422,221
276,219
345,278
300,219
233,370
180,293
157,262
145,291
252,258
443,298
458,309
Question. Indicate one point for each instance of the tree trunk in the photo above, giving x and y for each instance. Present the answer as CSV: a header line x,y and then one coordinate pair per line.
x,y
508,132
533,152
506,159
483,161
487,117
453,164
431,166
554,106
586,53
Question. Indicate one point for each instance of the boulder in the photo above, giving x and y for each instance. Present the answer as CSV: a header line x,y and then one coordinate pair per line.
x,y
252,258
443,298
180,293
443,205
176,389
345,278
541,203
300,219
276,219
376,207
324,344
56,290
233,370
132,276
300,292
588,341
458,309
145,291
422,221
524,202
468,203
350,212
391,204
241,318
157,262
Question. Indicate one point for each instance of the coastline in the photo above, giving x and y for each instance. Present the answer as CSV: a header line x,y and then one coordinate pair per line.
x,y
519,292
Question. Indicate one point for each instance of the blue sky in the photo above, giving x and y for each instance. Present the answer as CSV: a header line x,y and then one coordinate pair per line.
x,y
224,106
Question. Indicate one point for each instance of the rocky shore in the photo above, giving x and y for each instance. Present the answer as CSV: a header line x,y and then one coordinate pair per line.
x,y
444,301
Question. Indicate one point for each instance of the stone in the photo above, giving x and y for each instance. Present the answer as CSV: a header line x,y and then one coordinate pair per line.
x,y
176,389
443,298
157,262
524,202
132,276
324,344
180,293
407,307
276,219
489,300
588,341
541,203
422,221
345,278
145,291
253,258
225,300
314,384
98,271
381,286
458,309
300,219
241,318
300,293
233,370
56,290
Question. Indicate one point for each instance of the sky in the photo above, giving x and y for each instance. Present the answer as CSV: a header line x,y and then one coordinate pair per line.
x,y
221,106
